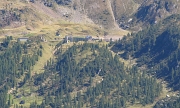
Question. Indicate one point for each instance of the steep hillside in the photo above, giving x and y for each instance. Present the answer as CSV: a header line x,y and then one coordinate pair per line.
x,y
20,18
105,13
99,12
25,17
153,11
17,59
123,13
86,75
61,65
156,47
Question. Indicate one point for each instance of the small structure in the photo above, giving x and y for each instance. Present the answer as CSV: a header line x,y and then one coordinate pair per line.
x,y
88,38
66,14
68,38
23,39
43,39
77,39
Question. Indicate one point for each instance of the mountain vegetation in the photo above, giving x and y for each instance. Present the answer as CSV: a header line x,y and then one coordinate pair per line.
x,y
98,79
156,48
16,62
72,56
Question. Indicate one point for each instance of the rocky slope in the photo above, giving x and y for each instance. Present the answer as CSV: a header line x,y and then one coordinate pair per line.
x,y
124,13
152,11
105,13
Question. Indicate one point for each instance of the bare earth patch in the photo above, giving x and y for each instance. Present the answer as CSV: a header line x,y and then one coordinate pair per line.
x,y
113,37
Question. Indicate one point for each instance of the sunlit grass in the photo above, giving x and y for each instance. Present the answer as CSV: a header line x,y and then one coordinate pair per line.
x,y
46,55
